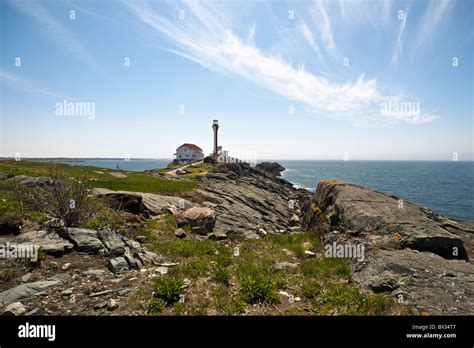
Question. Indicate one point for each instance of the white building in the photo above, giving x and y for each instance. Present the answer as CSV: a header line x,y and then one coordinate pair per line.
x,y
188,153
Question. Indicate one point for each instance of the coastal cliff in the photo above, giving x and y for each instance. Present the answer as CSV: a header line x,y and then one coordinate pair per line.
x,y
244,236
418,256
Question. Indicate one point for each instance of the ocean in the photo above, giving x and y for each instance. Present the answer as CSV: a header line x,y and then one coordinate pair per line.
x,y
445,187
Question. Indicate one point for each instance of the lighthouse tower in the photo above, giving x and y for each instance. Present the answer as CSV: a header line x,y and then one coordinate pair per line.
x,y
215,127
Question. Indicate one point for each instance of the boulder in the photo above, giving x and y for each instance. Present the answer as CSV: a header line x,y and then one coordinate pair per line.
x,y
354,209
23,291
201,219
270,168
180,233
83,239
129,202
48,241
113,242
15,308
117,265
152,203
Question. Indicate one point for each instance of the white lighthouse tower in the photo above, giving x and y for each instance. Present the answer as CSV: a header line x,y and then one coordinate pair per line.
x,y
215,127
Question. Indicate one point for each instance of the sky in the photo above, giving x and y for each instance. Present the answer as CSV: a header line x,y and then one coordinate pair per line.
x,y
379,80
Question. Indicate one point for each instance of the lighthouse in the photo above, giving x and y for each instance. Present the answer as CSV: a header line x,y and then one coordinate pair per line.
x,y
215,127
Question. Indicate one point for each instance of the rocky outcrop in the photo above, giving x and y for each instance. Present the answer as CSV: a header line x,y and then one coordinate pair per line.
x,y
200,219
142,202
247,199
411,252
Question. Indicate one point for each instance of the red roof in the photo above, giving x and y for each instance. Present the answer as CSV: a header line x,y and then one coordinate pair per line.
x,y
191,147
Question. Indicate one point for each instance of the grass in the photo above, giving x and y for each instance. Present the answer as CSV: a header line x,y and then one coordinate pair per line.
x,y
168,289
256,286
346,299
100,177
183,248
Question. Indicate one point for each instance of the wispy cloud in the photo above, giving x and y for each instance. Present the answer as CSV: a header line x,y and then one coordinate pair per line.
x,y
322,22
17,83
374,12
206,37
398,49
436,11
57,32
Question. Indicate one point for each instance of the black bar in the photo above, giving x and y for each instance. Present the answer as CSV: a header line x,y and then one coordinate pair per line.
x,y
222,331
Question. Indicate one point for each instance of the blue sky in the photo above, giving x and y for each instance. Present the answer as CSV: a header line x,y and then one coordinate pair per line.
x,y
286,79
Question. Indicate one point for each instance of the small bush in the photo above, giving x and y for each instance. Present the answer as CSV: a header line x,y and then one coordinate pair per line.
x,y
225,302
256,286
194,268
220,275
179,308
168,289
156,305
10,223
62,197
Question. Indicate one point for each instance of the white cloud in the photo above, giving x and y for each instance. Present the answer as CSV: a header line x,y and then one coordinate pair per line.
x,y
323,23
436,11
206,37
398,49
55,29
362,11
15,82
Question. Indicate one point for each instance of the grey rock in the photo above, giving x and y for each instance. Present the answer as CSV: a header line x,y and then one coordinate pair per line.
x,y
49,242
180,233
285,264
94,272
217,236
112,304
201,219
408,249
83,239
27,277
23,291
141,239
118,265
151,202
15,308
112,240
262,233
251,235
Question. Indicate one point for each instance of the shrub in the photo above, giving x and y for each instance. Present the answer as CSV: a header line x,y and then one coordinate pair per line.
x,y
168,289
220,275
196,267
256,286
10,223
156,305
62,197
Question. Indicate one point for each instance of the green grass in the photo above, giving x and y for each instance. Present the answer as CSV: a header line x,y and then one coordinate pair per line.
x,y
294,242
193,268
185,248
256,285
100,177
346,299
168,289
325,268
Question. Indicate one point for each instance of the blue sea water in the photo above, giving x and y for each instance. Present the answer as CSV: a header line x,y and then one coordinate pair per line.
x,y
445,187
